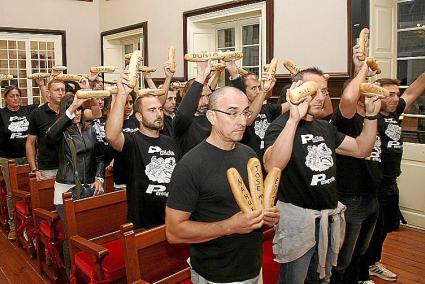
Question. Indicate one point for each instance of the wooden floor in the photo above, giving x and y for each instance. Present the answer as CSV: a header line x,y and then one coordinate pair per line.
x,y
404,254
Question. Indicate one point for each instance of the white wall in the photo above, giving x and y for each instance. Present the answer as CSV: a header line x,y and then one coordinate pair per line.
x,y
309,32
79,19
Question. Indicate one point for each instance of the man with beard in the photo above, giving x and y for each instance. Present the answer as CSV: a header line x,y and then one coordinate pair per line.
x,y
392,150
201,210
144,152
304,148
190,125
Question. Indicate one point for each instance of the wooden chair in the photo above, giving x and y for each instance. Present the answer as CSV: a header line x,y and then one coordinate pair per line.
x,y
109,181
19,183
4,215
93,226
149,258
50,234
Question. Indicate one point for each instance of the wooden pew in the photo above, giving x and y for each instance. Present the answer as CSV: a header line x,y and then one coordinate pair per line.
x,y
149,258
4,215
19,183
94,236
109,181
50,234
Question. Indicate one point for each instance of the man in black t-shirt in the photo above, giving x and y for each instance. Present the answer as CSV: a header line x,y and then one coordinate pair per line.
x,y
169,109
392,150
147,156
13,134
41,119
304,148
201,210
190,125
357,181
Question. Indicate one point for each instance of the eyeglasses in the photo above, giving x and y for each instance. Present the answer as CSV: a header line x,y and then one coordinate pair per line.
x,y
325,92
233,115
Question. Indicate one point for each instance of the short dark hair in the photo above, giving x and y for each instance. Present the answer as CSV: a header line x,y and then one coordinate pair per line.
x,y
387,81
54,81
310,70
10,88
221,92
138,102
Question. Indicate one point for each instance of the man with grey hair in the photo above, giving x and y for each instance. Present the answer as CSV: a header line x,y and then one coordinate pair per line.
x,y
201,210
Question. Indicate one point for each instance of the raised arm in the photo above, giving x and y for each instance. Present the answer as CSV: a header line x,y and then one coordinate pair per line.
x,y
148,78
166,86
414,91
113,127
362,145
215,79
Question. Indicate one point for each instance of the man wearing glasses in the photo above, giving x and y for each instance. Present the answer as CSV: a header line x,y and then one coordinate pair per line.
x,y
304,148
201,210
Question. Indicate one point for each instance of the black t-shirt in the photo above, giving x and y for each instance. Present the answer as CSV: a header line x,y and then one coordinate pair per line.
x,y
308,181
254,134
356,176
14,131
40,120
168,125
199,186
190,130
120,170
149,163
392,145
99,127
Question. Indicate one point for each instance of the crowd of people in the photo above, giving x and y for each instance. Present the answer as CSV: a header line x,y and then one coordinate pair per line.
x,y
337,197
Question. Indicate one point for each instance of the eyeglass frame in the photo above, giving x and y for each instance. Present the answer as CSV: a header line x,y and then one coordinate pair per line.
x,y
246,113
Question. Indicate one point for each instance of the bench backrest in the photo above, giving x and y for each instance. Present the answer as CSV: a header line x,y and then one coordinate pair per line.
x,y
19,179
42,193
149,257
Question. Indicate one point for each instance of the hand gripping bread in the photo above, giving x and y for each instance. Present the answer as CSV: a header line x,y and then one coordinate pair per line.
x,y
219,55
326,76
300,93
217,66
291,67
147,69
69,77
89,94
269,75
364,43
133,67
271,185
38,75
4,77
255,178
102,69
172,58
242,71
239,190
373,65
371,90
154,92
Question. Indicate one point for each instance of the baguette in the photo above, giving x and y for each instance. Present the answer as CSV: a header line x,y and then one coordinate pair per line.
x,y
147,69
59,68
239,190
4,77
38,75
102,69
112,89
326,76
242,71
89,94
373,65
255,178
271,185
217,66
364,43
69,77
219,55
300,93
154,92
133,67
372,90
269,75
172,58
291,67
178,85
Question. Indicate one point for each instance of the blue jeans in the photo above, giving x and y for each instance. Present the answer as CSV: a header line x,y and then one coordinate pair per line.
x,y
360,217
304,269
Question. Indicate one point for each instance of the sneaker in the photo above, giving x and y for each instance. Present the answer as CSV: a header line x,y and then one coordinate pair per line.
x,y
382,272
367,282
12,235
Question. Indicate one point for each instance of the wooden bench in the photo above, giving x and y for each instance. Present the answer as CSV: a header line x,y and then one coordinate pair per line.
x,y
93,226
50,234
19,183
4,215
149,258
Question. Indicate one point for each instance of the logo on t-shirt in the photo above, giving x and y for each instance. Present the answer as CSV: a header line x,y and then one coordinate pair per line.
x,y
319,157
376,151
393,131
17,126
261,125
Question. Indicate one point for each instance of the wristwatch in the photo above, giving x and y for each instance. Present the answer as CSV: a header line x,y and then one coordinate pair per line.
x,y
371,117
100,179
34,170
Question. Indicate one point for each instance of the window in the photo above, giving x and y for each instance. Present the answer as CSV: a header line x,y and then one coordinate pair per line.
x,y
23,54
241,35
411,62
